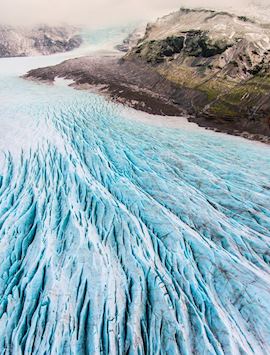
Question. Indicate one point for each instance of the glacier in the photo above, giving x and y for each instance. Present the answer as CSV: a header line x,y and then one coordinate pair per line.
x,y
123,233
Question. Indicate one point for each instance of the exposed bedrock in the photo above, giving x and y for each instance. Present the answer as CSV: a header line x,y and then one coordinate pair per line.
x,y
192,43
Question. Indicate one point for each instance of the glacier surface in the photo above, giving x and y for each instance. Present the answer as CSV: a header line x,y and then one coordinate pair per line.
x,y
122,236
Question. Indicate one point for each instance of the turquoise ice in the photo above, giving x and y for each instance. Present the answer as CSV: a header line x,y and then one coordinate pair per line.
x,y
122,233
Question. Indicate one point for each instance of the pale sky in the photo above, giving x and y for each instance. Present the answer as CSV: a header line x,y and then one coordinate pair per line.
x,y
109,12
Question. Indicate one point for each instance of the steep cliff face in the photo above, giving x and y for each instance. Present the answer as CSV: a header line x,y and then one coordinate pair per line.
x,y
224,57
40,40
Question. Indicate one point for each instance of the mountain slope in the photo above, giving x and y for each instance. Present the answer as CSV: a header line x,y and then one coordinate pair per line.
x,y
40,40
224,57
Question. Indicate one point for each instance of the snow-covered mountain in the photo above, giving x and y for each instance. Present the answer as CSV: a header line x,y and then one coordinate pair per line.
x,y
218,36
223,57
39,40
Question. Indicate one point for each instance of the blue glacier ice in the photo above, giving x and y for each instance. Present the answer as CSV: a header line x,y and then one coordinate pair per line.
x,y
122,233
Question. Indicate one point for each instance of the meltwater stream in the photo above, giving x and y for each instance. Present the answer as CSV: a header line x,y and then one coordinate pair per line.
x,y
123,233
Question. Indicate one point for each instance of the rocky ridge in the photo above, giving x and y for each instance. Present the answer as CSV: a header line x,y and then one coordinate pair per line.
x,y
223,57
39,40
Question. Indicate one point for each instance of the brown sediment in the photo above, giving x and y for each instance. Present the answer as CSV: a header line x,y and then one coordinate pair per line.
x,y
139,86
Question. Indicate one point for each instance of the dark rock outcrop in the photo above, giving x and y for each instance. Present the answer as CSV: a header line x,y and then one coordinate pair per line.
x,y
193,43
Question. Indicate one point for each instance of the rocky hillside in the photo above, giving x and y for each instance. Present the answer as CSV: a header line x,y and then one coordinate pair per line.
x,y
214,66
224,57
40,40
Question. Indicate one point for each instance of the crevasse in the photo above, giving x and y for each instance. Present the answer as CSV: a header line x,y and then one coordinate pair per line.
x,y
120,236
